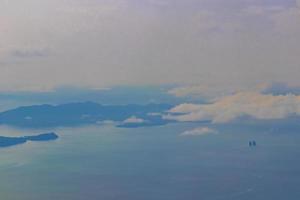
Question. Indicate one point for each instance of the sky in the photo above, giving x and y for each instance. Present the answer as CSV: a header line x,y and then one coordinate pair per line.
x,y
223,45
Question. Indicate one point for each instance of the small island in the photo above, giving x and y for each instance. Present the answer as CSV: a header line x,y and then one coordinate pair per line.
x,y
11,141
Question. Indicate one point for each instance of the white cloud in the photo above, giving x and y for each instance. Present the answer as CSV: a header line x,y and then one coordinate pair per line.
x,y
133,119
199,131
226,109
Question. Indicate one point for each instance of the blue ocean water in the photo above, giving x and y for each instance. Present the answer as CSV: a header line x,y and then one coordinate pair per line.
x,y
151,163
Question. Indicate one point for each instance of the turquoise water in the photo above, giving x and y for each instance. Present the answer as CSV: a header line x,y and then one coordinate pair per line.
x,y
152,163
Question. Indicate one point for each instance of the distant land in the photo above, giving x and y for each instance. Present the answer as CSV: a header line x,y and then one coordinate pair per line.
x,y
11,141
74,114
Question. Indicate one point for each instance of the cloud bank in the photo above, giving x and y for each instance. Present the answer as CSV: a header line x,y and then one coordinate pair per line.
x,y
229,108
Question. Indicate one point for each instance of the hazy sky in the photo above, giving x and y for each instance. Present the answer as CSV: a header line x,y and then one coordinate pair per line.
x,y
100,43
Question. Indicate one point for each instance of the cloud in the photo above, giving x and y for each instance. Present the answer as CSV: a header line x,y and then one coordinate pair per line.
x,y
229,108
186,108
199,131
133,119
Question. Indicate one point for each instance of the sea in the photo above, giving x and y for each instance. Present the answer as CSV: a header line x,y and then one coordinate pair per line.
x,y
104,162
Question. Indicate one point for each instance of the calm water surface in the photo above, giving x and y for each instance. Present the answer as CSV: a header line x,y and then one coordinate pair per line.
x,y
153,163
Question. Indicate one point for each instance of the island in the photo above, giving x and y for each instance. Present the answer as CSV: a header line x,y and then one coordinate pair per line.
x,y
84,113
11,141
